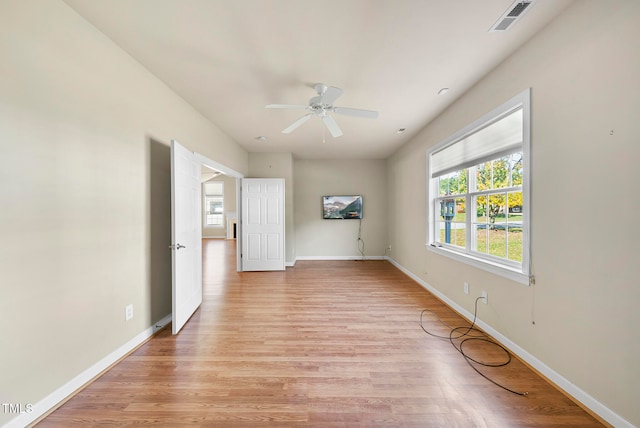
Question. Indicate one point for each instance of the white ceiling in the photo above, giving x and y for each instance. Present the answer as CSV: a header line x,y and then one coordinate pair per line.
x,y
229,58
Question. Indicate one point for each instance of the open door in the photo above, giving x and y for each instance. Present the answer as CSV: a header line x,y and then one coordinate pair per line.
x,y
186,235
262,224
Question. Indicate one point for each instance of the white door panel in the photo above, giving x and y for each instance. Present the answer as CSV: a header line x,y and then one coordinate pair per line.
x,y
253,246
273,247
263,224
186,235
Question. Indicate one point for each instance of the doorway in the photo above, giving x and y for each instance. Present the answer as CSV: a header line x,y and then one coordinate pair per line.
x,y
260,205
213,168
186,230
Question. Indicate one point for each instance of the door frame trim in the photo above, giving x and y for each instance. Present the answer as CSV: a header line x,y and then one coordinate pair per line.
x,y
238,176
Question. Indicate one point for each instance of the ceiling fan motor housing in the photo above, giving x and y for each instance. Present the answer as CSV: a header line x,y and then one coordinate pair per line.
x,y
316,106
320,88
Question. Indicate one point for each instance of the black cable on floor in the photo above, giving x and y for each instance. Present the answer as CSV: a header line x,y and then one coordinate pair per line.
x,y
470,334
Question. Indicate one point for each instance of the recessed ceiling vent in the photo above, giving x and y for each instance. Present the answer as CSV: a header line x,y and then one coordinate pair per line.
x,y
513,13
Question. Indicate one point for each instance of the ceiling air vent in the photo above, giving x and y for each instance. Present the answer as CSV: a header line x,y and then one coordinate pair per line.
x,y
513,13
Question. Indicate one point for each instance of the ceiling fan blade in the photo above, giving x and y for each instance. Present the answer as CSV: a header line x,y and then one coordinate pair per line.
x,y
330,95
332,126
356,112
285,106
297,123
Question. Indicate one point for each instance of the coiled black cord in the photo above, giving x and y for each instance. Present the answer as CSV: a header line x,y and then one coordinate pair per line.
x,y
470,334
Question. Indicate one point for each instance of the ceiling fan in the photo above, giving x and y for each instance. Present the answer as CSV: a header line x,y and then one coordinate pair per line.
x,y
321,106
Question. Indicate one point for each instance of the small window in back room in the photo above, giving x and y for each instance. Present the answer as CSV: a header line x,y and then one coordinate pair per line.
x,y
213,203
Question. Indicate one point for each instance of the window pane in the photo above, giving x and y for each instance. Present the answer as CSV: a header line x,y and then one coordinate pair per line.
x,y
514,230
497,236
453,183
458,235
454,179
514,236
481,238
500,173
460,210
447,213
214,220
441,234
483,176
481,209
452,224
214,210
215,207
516,169
443,185
462,181
458,224
514,202
495,208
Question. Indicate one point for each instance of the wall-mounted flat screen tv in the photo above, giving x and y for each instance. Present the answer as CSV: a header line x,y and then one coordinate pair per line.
x,y
342,207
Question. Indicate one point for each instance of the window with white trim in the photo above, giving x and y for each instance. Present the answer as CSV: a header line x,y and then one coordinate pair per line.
x,y
213,203
479,191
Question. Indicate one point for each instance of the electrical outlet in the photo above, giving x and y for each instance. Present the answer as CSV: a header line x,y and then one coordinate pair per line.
x,y
128,312
485,297
466,288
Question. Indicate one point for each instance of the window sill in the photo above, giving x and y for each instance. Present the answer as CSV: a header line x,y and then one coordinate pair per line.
x,y
503,271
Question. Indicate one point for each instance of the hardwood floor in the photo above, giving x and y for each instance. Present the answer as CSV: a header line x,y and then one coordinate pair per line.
x,y
324,344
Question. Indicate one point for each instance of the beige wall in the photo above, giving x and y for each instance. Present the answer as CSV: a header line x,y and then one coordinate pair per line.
x,y
583,71
84,173
316,237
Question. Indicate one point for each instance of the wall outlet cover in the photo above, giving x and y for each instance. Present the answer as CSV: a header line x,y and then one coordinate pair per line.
x,y
128,312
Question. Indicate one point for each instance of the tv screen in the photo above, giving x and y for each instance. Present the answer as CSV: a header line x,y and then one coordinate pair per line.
x,y
342,207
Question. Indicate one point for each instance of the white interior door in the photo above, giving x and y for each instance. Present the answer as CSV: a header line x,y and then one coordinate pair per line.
x,y
262,224
186,235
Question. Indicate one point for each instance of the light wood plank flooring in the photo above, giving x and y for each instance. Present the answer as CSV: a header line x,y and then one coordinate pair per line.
x,y
324,344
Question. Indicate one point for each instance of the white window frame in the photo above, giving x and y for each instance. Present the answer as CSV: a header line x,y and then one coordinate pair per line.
x,y
517,272
204,206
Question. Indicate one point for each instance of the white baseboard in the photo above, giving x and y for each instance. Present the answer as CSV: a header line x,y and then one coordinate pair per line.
x,y
341,258
574,391
293,263
50,402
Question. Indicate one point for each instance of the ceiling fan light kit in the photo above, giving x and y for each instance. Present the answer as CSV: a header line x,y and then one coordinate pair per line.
x,y
322,106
